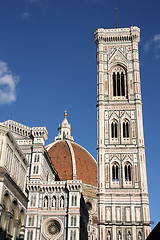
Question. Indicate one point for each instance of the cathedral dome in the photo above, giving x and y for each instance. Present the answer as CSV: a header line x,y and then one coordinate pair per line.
x,y
71,160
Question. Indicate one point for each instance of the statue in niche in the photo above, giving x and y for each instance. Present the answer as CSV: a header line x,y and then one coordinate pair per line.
x,y
129,236
61,202
119,235
108,235
46,201
139,236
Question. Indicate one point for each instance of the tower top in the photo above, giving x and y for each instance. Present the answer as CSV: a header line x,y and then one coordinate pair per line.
x,y
64,129
122,35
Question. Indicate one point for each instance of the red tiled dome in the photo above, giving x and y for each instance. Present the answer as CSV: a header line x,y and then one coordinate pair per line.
x,y
70,159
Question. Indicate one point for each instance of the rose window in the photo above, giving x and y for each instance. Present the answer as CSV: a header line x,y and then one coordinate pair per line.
x,y
54,227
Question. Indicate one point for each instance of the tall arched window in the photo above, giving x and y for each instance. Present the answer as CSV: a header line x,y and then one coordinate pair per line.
x,y
72,221
74,201
126,128
35,158
31,221
30,235
119,81
35,170
114,129
33,200
115,172
71,235
127,171
75,220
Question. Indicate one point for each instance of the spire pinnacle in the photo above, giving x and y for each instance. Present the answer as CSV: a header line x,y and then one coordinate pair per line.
x,y
65,114
116,17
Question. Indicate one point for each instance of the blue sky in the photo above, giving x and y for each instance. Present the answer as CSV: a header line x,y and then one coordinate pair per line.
x,y
48,65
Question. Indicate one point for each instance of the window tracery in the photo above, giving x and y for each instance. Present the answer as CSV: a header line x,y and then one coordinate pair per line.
x,y
115,172
119,81
127,171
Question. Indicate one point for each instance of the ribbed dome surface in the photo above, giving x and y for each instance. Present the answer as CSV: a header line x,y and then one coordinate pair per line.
x,y
70,159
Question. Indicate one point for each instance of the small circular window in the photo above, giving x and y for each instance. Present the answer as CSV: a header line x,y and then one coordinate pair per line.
x,y
89,206
54,228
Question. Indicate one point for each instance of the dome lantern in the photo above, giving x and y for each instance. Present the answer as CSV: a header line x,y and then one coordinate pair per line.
x,y
64,130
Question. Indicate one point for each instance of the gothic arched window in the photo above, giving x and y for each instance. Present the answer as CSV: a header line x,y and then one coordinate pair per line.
x,y
114,127
74,201
33,200
75,221
71,235
126,128
115,172
127,172
35,158
31,221
119,81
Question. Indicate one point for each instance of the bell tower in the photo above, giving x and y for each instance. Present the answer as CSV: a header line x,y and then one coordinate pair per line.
x,y
122,182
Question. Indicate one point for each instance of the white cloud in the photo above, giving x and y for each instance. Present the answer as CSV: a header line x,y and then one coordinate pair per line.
x,y
7,84
26,15
147,46
154,45
157,57
156,38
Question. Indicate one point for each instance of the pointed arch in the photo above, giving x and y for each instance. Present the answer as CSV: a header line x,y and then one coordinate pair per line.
x,y
118,81
115,171
114,129
128,171
126,128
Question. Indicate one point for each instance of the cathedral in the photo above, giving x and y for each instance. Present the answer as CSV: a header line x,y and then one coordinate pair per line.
x,y
60,191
